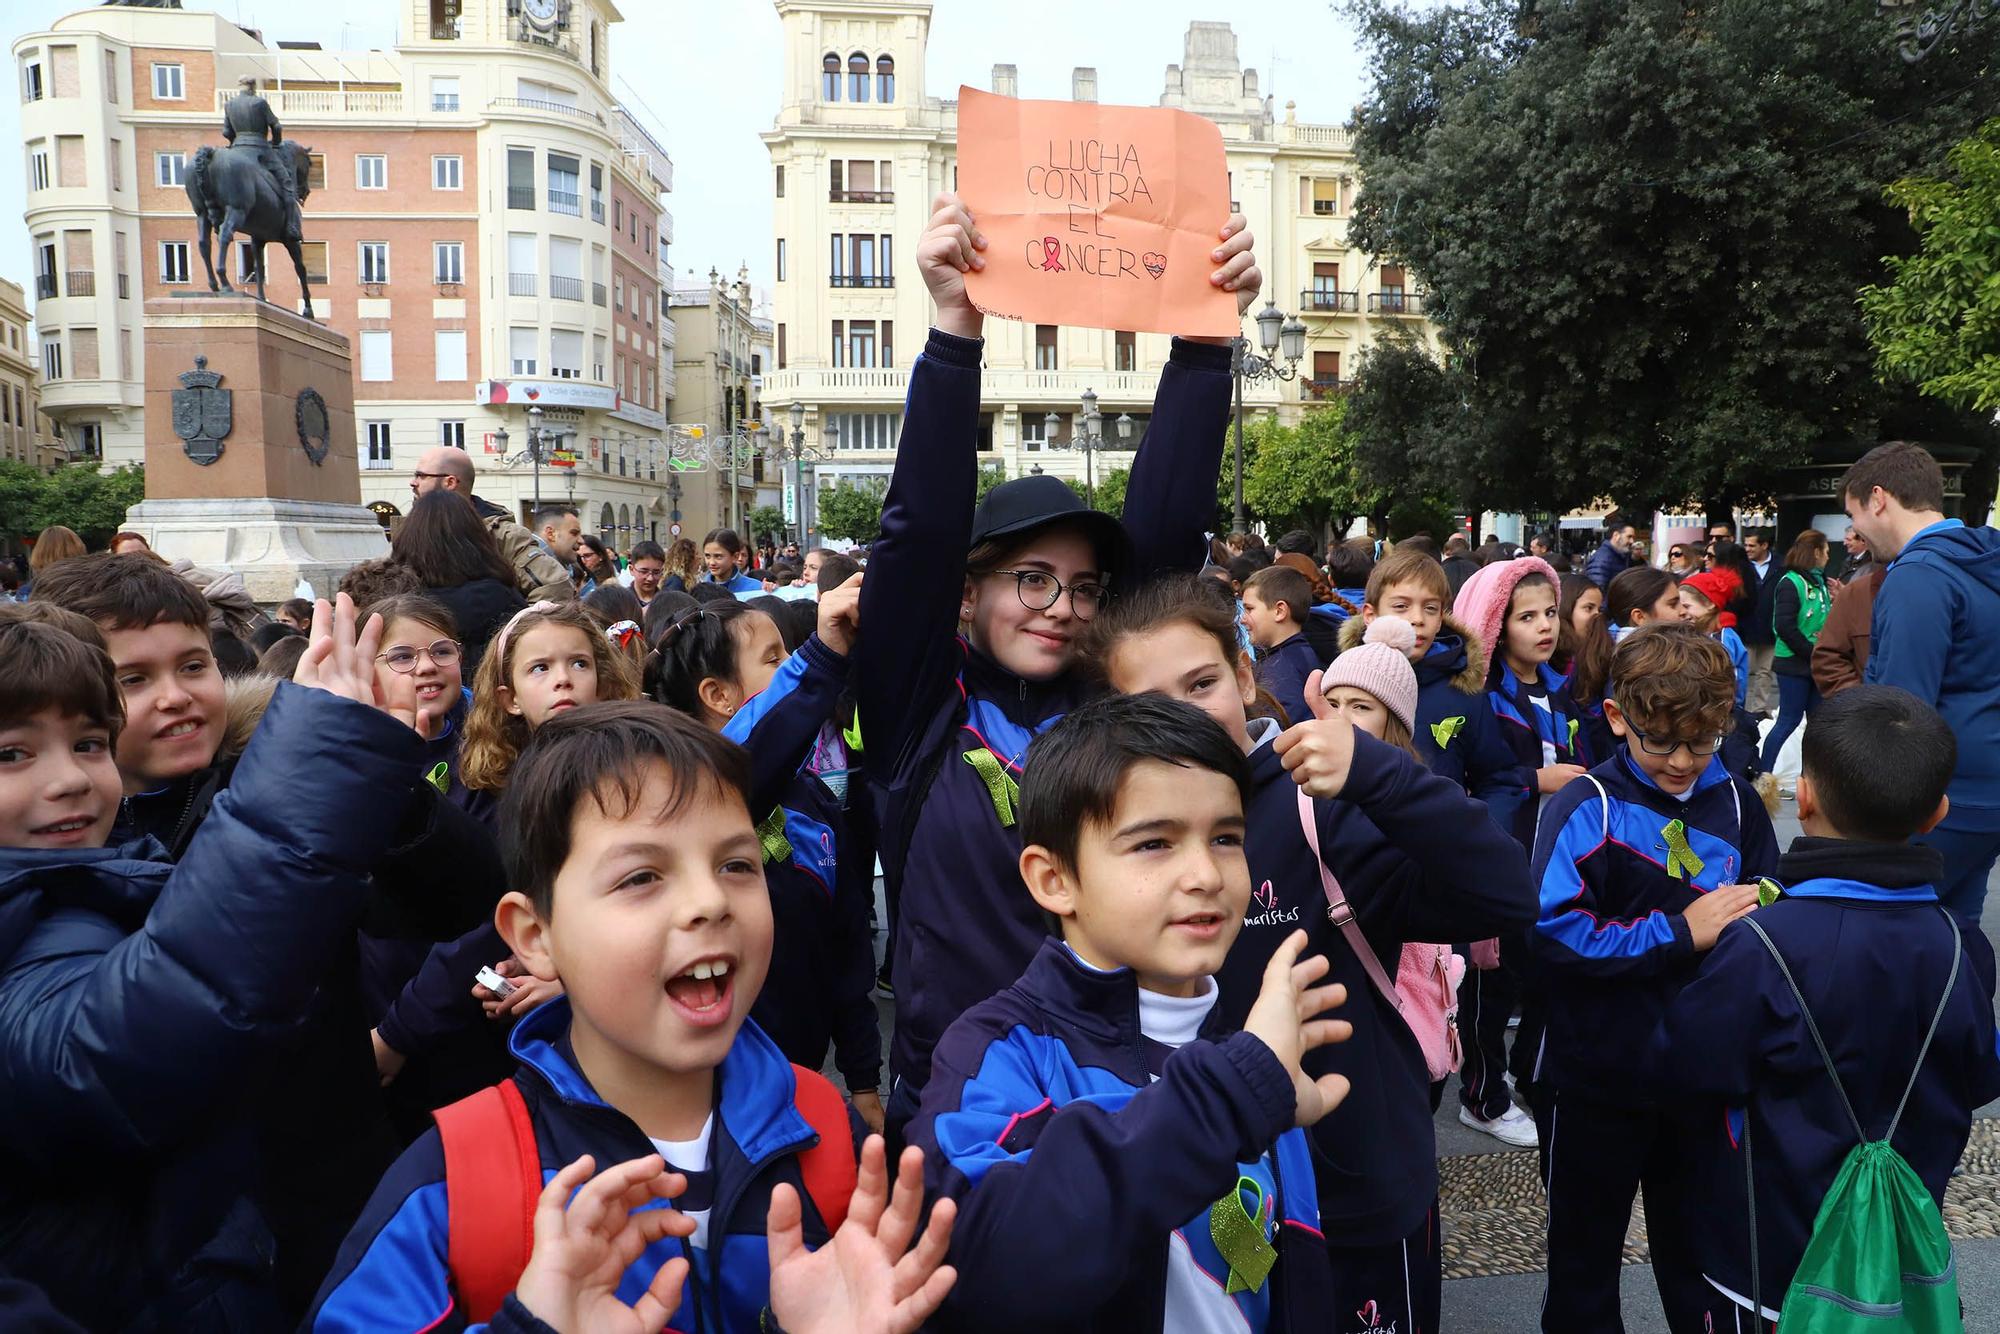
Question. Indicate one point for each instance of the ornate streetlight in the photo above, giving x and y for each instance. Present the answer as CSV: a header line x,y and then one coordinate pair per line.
x,y
1275,330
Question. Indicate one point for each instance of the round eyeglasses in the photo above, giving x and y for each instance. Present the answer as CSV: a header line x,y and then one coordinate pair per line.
x,y
403,658
1666,745
1039,590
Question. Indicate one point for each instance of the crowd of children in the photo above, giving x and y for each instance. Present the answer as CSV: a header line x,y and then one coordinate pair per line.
x,y
383,999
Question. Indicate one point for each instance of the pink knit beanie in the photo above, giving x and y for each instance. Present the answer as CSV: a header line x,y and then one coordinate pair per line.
x,y
1380,665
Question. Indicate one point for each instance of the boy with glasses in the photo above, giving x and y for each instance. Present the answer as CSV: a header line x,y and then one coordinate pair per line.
x,y
1640,864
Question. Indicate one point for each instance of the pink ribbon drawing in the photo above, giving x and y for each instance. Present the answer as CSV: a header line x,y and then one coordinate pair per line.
x,y
1051,254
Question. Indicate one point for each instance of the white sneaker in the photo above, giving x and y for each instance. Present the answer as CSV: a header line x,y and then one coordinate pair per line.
x,y
1512,1126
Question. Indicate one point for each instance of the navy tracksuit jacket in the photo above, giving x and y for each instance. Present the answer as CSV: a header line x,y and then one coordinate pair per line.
x,y
822,958
1283,670
1611,941
1418,860
1075,1147
925,699
1524,726
1862,932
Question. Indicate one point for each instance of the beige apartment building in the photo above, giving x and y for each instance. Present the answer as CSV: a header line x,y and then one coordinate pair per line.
x,y
485,227
718,361
25,436
857,152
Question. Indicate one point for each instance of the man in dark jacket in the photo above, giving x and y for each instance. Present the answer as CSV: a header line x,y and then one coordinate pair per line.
x,y
1756,628
1459,564
538,575
1933,635
1615,556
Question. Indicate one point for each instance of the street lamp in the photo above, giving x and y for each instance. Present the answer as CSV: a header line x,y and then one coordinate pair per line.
x,y
1089,438
798,416
1922,24
1275,332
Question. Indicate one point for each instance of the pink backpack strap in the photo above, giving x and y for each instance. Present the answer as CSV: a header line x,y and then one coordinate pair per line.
x,y
1341,913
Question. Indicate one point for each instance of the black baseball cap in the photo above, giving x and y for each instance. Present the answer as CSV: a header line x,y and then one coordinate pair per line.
x,y
1026,505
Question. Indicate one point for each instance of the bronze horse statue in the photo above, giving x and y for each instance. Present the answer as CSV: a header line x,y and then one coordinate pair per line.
x,y
232,192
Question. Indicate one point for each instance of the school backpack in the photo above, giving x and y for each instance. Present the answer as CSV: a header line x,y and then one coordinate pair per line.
x,y
493,1179
1425,989
1879,1257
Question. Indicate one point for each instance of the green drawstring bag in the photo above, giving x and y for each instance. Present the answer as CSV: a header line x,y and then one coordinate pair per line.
x,y
1879,1258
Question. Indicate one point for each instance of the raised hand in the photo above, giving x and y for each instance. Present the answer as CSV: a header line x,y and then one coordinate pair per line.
x,y
950,248
1318,754
338,659
862,1280
840,615
582,1252
1235,268
1283,1019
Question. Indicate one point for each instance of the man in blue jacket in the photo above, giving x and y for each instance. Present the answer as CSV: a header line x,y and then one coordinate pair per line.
x,y
1615,556
1933,634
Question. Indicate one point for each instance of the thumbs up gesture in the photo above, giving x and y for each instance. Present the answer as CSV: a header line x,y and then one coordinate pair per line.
x,y
1318,753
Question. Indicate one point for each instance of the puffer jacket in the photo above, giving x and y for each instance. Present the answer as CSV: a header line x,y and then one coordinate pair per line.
x,y
142,1003
537,574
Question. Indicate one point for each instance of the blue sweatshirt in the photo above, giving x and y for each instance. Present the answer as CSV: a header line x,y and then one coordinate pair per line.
x,y
392,1272
1611,939
1085,1155
818,989
1862,932
926,700
1283,669
1932,634
737,583
1418,860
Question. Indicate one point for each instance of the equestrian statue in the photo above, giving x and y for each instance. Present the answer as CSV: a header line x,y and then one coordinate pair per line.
x,y
253,186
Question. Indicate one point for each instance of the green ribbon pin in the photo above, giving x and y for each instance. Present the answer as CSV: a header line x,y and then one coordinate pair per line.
x,y
440,777
1573,725
1768,891
853,733
1445,729
1000,785
771,833
1682,864
1244,1240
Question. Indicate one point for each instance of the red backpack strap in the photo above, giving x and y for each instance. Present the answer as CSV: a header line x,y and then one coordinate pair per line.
x,y
828,1168
492,1180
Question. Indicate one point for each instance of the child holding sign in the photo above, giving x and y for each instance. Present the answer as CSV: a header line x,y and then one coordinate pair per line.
x,y
946,718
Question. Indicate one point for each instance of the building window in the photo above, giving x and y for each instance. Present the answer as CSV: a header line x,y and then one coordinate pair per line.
x,y
781,347
597,192
857,77
38,168
860,430
377,355
451,434
450,348
885,79
447,173
173,261
444,94
52,359
781,259
562,186
861,344
33,89
111,76
314,254
597,355
829,79
521,178
1034,431
1125,350
781,181
887,267
839,345
316,170
374,261
448,261
566,354
522,350
169,169
1045,347
167,83
117,155
371,171
1393,298
378,459
1320,196
565,268
888,344
521,268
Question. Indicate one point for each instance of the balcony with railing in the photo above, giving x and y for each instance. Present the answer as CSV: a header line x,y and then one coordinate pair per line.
x,y
638,142
377,465
124,286
520,284
1329,301
1323,388
544,106
565,201
1395,301
564,288
861,196
80,282
288,103
598,297
862,280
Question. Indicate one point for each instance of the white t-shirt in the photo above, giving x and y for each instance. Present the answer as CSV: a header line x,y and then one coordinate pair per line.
x,y
690,1159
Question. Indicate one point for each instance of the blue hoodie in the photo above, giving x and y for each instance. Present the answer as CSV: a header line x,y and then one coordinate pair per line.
x,y
1283,668
1933,635
1862,932
926,700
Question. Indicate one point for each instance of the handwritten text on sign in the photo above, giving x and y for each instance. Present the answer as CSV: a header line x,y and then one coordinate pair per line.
x,y
1095,216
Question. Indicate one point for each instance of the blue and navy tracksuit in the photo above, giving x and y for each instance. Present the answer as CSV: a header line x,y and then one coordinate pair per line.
x,y
392,1272
1861,930
1283,668
1417,860
932,709
1616,872
822,956
1739,748
1085,1155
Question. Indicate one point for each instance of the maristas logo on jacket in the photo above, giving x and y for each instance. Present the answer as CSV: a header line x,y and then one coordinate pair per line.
x,y
1266,898
1371,1313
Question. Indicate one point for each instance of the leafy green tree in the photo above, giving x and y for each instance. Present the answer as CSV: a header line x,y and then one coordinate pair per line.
x,y
1109,496
1643,224
20,497
851,512
990,476
76,496
766,521
1307,476
1938,322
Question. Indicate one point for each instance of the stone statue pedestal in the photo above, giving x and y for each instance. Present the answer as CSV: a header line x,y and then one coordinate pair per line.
x,y
270,407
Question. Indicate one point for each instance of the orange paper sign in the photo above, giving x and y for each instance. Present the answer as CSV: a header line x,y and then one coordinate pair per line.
x,y
1095,216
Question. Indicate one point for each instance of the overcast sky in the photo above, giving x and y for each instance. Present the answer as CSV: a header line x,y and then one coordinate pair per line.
x,y
706,78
